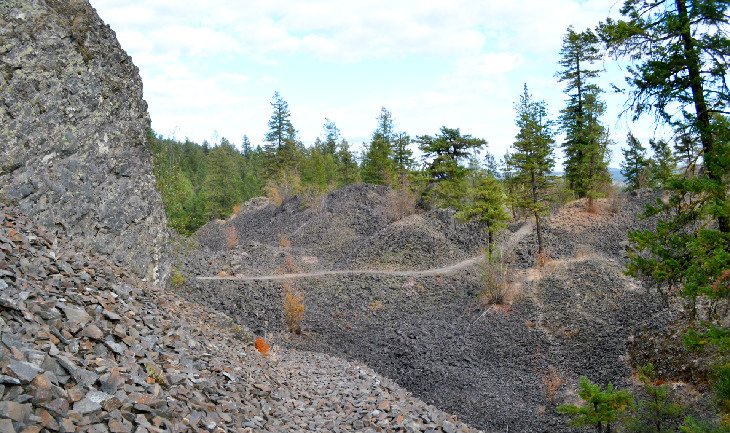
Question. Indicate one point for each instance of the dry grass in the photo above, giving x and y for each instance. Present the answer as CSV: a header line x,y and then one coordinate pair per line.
x,y
274,194
290,265
237,208
542,259
231,237
615,200
497,285
553,382
400,203
376,306
284,242
177,279
293,308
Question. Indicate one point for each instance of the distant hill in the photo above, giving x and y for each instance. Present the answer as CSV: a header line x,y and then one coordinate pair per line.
x,y
615,174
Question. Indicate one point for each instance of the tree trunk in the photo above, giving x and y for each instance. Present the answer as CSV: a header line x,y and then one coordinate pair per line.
x,y
703,115
540,246
491,244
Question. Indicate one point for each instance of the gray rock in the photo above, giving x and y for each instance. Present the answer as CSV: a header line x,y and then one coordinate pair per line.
x,y
73,130
15,411
24,371
78,315
448,427
6,426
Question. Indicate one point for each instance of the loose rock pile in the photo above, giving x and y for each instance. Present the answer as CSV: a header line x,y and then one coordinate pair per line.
x,y
85,349
498,367
350,228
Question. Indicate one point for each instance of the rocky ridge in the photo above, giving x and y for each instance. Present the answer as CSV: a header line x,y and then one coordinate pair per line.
x,y
85,348
73,128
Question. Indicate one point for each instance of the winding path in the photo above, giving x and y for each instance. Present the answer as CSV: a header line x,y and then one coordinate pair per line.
x,y
511,242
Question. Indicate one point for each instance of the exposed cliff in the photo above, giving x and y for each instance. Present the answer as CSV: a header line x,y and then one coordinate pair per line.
x,y
73,128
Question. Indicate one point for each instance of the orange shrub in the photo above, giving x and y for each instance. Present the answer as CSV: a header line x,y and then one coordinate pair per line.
x,y
274,194
231,237
293,308
262,346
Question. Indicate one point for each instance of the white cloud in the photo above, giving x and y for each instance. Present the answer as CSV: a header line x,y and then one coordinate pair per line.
x,y
190,56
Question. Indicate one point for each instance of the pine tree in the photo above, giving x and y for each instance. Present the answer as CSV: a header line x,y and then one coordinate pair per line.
x,y
636,164
490,164
601,408
532,160
402,154
679,52
663,163
444,154
331,137
485,203
281,138
377,165
246,149
347,170
586,142
223,185
656,412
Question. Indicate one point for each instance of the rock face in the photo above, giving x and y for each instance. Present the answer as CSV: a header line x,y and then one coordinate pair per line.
x,y
73,128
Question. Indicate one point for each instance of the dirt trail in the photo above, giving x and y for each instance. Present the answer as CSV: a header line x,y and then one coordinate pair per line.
x,y
507,247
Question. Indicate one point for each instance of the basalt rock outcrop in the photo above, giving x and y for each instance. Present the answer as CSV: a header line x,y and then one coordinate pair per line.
x,y
73,128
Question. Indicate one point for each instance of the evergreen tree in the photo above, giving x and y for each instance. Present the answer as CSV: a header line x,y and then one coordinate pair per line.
x,y
281,138
490,164
444,154
532,160
402,154
636,164
377,165
223,185
656,412
663,163
246,149
331,137
485,203
586,142
347,170
601,408
679,52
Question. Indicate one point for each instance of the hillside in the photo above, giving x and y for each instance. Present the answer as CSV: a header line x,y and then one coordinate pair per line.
x,y
490,365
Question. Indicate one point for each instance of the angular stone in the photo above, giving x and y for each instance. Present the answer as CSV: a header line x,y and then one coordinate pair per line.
x,y
7,380
15,411
6,426
86,406
24,371
92,331
78,315
119,426
448,427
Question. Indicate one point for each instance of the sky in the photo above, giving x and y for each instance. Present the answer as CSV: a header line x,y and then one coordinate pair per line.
x,y
210,68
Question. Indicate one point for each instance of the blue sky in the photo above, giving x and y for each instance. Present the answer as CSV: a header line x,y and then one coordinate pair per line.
x,y
210,67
